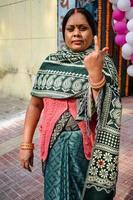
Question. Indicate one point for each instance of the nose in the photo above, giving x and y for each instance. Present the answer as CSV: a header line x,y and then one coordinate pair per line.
x,y
76,32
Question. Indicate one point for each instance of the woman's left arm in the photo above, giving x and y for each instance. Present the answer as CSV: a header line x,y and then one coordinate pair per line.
x,y
94,65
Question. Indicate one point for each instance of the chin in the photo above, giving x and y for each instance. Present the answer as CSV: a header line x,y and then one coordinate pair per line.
x,y
78,49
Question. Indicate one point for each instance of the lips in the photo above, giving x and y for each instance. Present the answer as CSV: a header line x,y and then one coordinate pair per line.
x,y
77,41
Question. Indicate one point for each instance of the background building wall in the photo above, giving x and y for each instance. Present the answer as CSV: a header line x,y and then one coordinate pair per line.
x,y
28,33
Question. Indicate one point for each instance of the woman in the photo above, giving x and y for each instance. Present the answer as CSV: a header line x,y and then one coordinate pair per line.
x,y
79,133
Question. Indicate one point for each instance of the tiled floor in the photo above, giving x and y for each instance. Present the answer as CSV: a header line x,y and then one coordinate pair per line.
x,y
18,184
125,180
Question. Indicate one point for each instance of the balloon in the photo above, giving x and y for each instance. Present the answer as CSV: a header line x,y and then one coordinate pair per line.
x,y
115,21
126,57
120,27
124,5
120,40
129,13
118,15
130,70
129,38
114,6
127,49
130,25
132,57
113,1
131,2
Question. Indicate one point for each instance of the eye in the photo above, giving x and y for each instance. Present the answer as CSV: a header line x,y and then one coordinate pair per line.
x,y
70,29
83,28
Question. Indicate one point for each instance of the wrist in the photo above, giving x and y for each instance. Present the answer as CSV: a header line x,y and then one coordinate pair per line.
x,y
97,83
95,76
27,146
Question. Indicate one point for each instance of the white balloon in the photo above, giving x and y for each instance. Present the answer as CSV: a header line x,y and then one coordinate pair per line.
x,y
114,6
113,1
130,25
129,13
130,70
126,57
127,49
129,38
124,5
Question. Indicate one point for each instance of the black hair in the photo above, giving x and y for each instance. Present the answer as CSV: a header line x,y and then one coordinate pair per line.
x,y
84,12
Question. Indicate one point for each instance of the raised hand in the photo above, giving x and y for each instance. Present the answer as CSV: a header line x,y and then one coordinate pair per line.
x,y
94,61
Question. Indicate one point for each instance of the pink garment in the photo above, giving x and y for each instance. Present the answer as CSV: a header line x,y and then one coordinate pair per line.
x,y
53,109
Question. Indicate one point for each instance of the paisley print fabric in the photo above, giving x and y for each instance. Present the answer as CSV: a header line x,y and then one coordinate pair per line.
x,y
63,75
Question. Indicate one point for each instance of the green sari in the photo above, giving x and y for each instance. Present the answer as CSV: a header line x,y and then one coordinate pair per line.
x,y
68,176
66,168
65,171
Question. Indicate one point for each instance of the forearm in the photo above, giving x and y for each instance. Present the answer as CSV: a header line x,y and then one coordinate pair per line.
x,y
95,78
95,94
31,120
94,64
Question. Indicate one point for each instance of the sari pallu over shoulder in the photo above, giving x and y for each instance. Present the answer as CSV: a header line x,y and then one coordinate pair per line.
x,y
102,172
62,76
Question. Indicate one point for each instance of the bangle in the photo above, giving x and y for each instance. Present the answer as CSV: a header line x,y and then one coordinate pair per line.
x,y
27,146
99,84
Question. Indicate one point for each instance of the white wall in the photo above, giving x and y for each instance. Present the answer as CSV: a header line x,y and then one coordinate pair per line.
x,y
28,33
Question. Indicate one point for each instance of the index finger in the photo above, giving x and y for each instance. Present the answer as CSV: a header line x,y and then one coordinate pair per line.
x,y
96,44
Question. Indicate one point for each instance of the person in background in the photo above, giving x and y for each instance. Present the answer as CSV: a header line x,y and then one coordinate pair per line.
x,y
77,94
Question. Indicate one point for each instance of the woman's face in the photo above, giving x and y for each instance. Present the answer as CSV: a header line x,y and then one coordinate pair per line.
x,y
78,33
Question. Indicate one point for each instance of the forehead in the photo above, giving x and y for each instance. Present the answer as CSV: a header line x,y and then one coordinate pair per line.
x,y
76,19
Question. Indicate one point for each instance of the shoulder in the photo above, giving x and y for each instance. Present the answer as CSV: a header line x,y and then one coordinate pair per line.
x,y
109,61
109,69
51,57
54,56
109,65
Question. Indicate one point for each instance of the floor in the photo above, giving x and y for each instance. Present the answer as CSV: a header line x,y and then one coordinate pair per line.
x,y
18,184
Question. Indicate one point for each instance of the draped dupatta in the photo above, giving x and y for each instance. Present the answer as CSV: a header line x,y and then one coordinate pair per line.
x,y
63,75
